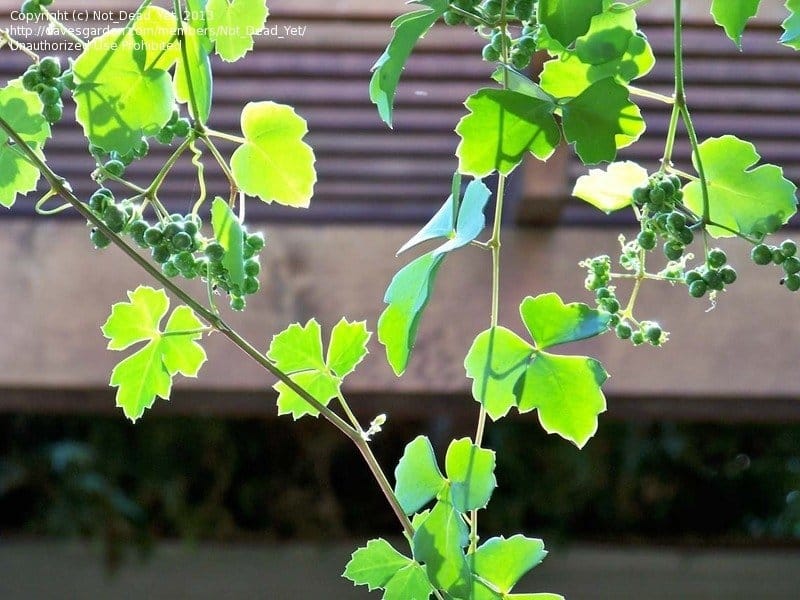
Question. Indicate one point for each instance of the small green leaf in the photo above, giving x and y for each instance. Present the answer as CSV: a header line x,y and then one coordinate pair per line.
x,y
418,478
520,83
228,232
298,348
321,386
613,47
375,565
408,29
611,189
503,561
118,99
197,70
147,374
751,200
407,297
733,16
275,164
501,128
566,20
348,346
470,470
551,322
410,583
439,544
601,120
232,25
495,362
22,110
566,392
791,26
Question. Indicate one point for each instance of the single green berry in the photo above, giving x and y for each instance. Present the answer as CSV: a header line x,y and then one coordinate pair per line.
x,y
251,286
717,258
252,268
713,280
697,289
153,236
182,127
791,265
114,218
676,221
191,228
170,269
646,239
99,239
653,334
165,136
789,248
137,229
692,276
685,236
182,241
610,304
527,43
171,230
792,282
667,187
50,66
453,18
142,148
31,80
490,54
640,195
49,95
161,253
31,8
761,254
53,112
657,195
256,241
215,252
237,303
637,338
602,293
673,250
623,331
114,167
778,256
184,261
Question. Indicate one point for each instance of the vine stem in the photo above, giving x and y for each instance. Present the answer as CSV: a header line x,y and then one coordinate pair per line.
x,y
59,186
636,91
65,31
16,45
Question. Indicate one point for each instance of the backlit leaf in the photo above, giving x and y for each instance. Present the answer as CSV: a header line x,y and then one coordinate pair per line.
x,y
232,25
733,16
470,470
791,26
375,565
611,189
566,20
321,386
551,322
418,478
348,346
197,71
503,561
228,232
439,544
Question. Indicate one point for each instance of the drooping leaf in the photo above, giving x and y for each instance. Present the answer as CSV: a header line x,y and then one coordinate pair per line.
x,y
754,200
119,99
275,164
791,26
233,24
417,476
503,561
439,544
566,20
566,392
375,565
501,128
193,76
298,348
470,470
601,120
410,583
228,232
22,110
733,16
495,362
407,297
613,47
321,386
148,373
611,189
348,346
408,29
551,322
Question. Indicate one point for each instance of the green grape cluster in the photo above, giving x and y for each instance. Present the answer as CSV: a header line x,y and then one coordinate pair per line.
x,y
783,255
32,8
660,205
598,272
520,49
646,331
45,78
178,245
176,127
712,276
114,163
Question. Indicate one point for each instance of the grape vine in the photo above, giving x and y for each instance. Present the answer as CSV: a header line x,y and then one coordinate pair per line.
x,y
151,82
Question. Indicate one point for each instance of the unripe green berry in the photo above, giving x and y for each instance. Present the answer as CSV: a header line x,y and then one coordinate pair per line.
x,y
637,338
53,112
161,253
31,80
215,252
50,66
697,289
114,167
237,303
646,239
728,275
623,331
182,241
717,258
713,280
49,95
792,283
170,269
778,256
252,268
453,18
171,230
673,250
153,236
685,236
789,248
99,239
653,334
182,127
251,286
490,53
761,254
256,241
692,276
791,265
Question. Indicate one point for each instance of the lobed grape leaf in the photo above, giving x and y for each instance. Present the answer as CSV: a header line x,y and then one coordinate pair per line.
x,y
503,561
752,200
501,128
418,479
611,189
193,76
232,24
409,583
601,120
118,98
275,163
439,544
228,232
551,322
470,471
298,352
733,16
791,25
22,110
408,30
613,47
566,20
508,371
407,296
148,373
375,565
468,224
